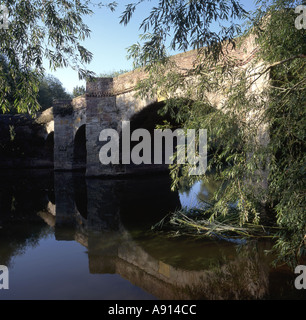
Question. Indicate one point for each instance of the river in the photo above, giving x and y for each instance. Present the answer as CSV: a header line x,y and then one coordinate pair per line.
x,y
63,236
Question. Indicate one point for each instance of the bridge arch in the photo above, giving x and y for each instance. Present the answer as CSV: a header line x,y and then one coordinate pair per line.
x,y
49,146
79,148
148,118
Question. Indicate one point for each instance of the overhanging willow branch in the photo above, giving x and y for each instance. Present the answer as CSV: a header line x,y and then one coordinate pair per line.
x,y
275,64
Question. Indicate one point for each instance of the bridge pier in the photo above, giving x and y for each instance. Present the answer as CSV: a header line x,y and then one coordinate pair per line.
x,y
69,116
107,105
101,114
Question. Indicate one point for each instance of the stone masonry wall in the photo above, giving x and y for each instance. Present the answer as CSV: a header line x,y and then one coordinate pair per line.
x,y
69,116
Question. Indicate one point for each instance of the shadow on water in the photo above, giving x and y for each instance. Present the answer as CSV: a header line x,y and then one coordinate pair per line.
x,y
112,219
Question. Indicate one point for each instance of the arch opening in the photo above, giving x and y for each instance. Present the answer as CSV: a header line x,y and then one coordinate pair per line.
x,y
149,118
79,148
49,146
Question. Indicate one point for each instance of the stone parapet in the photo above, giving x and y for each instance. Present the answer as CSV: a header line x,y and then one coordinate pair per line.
x,y
100,87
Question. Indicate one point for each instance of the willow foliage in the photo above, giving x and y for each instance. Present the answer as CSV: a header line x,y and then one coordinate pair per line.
x,y
38,30
256,138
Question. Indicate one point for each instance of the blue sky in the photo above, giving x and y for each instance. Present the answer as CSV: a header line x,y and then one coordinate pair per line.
x,y
109,41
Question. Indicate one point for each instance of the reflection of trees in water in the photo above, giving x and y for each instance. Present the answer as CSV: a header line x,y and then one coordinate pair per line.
x,y
185,186
199,192
208,189
21,197
245,277
120,211
29,236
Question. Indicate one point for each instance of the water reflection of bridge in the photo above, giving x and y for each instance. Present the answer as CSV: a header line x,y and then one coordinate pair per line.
x,y
102,215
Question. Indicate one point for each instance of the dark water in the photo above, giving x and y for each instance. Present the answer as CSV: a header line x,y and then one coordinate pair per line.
x,y
66,237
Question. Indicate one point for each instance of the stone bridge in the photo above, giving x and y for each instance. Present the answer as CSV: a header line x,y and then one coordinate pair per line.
x,y
108,102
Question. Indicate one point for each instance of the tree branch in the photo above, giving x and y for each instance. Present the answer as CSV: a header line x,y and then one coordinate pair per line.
x,y
300,56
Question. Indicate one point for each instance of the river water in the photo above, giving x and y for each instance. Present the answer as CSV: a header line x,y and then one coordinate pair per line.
x,y
66,237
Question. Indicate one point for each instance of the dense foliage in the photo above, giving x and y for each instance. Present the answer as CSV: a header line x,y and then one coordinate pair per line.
x,y
50,89
256,140
285,53
38,30
78,91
